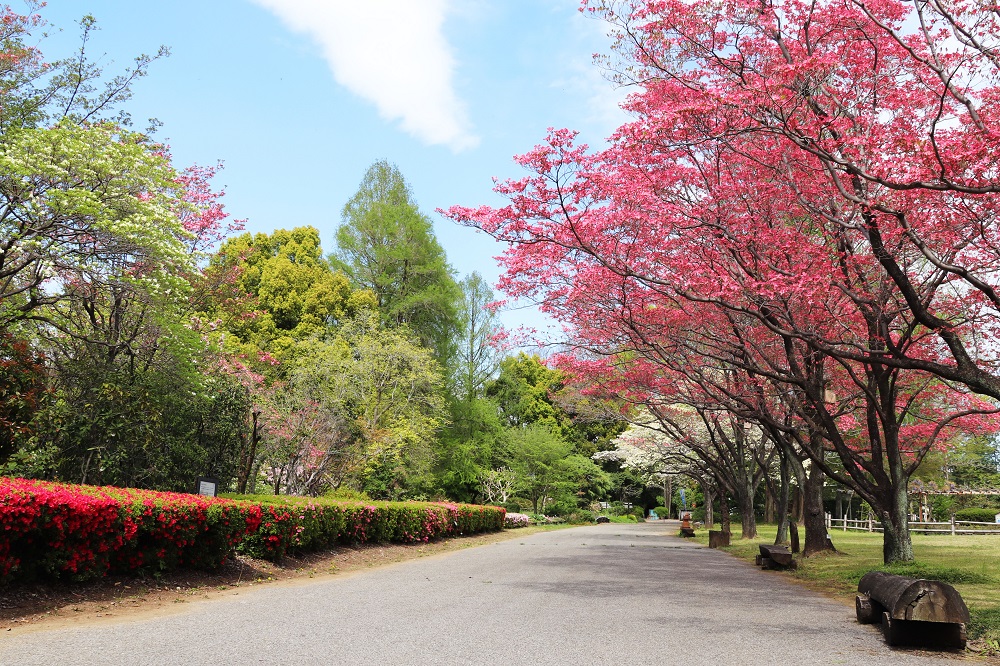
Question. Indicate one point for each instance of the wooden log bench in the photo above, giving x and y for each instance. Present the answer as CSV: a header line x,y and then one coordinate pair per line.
x,y
775,557
912,611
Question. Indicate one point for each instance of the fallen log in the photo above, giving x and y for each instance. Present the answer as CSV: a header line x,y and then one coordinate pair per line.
x,y
912,611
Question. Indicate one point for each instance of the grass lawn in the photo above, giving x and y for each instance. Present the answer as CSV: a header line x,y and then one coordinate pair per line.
x,y
970,563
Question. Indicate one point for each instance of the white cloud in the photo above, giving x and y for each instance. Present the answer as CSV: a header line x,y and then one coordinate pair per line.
x,y
585,79
392,53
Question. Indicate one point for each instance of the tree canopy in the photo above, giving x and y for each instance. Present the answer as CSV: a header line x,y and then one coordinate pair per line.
x,y
385,244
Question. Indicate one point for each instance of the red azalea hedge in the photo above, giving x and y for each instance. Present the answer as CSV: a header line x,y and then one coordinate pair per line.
x,y
82,532
298,524
55,529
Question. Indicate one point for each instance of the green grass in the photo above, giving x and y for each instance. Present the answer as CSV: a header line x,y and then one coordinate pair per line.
x,y
968,562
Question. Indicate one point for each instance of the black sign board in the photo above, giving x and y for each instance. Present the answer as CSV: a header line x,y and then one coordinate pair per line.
x,y
207,486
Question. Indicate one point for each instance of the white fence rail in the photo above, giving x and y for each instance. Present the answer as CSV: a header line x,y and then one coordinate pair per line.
x,y
951,527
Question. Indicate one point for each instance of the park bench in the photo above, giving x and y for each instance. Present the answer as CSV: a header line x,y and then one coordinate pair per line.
x,y
912,611
775,557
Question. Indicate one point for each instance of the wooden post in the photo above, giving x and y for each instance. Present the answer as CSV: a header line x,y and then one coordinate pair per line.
x,y
953,524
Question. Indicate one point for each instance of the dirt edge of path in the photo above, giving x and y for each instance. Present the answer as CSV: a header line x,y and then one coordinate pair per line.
x,y
54,604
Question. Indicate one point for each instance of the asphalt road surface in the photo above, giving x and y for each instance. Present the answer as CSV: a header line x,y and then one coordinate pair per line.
x,y
606,594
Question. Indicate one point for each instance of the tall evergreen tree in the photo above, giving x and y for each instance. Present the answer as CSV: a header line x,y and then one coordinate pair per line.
x,y
387,245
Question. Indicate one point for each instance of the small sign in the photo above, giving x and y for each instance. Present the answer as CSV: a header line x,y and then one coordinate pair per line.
x,y
207,486
998,518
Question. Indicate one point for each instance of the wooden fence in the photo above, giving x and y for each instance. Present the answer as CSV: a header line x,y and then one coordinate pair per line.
x,y
951,527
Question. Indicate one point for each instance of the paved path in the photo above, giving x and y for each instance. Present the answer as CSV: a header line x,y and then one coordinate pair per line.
x,y
607,594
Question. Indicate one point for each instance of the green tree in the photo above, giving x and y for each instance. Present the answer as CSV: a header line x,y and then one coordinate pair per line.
x,y
22,389
524,392
471,445
81,207
385,244
547,469
389,391
476,359
270,290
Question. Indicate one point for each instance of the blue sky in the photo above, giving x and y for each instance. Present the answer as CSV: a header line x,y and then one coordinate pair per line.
x,y
299,97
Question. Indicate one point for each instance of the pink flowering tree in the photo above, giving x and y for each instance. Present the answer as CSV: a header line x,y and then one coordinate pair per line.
x,y
755,216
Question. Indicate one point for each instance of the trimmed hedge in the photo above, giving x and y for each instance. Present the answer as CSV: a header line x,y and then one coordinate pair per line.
x,y
300,524
977,515
81,532
58,530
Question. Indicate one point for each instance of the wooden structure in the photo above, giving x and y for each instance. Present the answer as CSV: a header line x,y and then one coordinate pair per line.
x,y
718,538
912,611
775,557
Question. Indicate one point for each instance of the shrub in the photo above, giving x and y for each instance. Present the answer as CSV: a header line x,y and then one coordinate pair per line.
x,y
639,513
514,520
661,511
976,515
299,524
561,509
581,516
617,509
81,532
347,495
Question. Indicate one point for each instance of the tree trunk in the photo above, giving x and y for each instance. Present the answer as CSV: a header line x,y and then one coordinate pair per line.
x,y
709,493
782,508
668,496
896,543
246,469
813,518
748,519
768,504
724,510
798,505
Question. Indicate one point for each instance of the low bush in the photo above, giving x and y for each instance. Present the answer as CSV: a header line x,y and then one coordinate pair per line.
x,y
82,532
639,513
581,517
300,524
618,509
661,511
976,515
514,520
